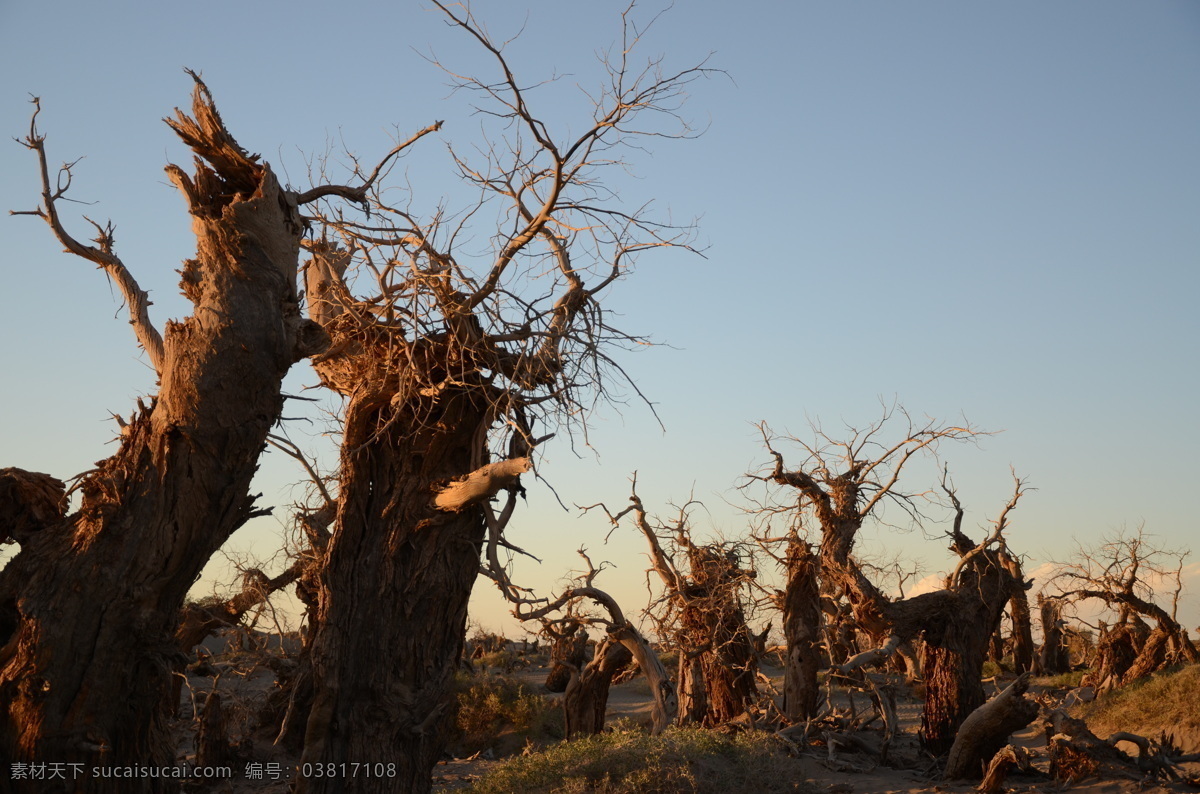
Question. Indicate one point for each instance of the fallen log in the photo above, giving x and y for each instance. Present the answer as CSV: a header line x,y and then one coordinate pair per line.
x,y
987,728
1076,753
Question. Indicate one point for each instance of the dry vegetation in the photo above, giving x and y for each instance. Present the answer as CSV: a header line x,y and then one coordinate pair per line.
x,y
1168,701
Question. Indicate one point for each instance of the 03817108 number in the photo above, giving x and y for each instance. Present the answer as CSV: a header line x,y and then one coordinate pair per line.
x,y
344,769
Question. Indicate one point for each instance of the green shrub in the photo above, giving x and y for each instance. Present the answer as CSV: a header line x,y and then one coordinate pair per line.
x,y
630,761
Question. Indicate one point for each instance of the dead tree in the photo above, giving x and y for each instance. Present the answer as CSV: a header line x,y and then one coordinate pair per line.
x,y
1077,754
451,343
987,729
90,604
586,698
568,651
1123,572
840,484
702,611
1022,620
1054,657
800,604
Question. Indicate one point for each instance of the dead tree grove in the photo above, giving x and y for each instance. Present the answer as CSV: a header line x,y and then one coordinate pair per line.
x,y
840,483
90,604
702,613
456,337
584,604
1123,572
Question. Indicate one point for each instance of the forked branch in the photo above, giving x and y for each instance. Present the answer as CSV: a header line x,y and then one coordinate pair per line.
x,y
101,253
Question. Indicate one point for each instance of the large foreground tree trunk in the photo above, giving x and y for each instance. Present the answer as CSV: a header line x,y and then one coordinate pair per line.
x,y
956,642
89,607
952,667
397,580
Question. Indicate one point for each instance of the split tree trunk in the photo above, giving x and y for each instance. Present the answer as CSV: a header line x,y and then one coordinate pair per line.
x,y
89,607
586,699
1022,622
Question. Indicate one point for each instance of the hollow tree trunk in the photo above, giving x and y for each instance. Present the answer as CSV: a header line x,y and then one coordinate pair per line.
x,y
802,631
397,579
586,698
89,607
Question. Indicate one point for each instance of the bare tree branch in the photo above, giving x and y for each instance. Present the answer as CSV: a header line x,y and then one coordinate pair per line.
x,y
101,253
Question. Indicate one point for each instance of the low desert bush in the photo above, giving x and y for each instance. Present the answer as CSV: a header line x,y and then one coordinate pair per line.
x,y
627,760
1062,680
501,713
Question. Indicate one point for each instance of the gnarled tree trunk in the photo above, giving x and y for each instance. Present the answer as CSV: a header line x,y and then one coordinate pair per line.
x,y
89,607
1022,622
568,653
802,631
1054,657
397,579
717,661
586,699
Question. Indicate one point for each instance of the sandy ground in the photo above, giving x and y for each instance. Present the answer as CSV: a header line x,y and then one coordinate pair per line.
x,y
849,774
245,686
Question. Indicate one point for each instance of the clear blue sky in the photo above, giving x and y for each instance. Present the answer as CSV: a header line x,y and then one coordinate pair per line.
x,y
989,210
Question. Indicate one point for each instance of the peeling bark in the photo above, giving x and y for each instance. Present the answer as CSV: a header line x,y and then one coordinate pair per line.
x,y
89,607
481,484
801,628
